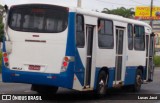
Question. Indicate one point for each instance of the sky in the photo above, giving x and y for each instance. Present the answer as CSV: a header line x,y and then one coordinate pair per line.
x,y
89,4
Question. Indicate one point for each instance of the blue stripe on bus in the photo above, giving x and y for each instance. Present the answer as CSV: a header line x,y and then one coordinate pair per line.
x,y
60,80
79,68
111,77
131,73
71,49
129,76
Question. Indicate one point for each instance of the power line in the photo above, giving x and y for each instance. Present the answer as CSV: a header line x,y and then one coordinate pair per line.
x,y
115,3
158,1
139,2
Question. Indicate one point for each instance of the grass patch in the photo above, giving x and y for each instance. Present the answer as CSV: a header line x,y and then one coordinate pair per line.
x,y
157,61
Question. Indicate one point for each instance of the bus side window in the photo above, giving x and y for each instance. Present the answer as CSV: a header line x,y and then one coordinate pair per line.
x,y
105,34
130,37
80,38
139,39
151,49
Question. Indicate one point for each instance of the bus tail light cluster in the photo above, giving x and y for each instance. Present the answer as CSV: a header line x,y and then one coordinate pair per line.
x,y
65,62
5,59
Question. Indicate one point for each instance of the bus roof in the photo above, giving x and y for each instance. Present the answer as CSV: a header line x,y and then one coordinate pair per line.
x,y
111,16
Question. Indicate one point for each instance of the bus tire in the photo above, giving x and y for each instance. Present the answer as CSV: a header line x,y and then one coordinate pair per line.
x,y
101,84
138,81
41,89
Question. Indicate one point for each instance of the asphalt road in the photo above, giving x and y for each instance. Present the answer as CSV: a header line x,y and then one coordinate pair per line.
x,y
65,95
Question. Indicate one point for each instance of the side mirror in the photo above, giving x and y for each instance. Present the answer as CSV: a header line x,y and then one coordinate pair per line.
x,y
6,8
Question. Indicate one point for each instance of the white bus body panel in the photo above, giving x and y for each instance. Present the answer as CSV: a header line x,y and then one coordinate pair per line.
x,y
48,55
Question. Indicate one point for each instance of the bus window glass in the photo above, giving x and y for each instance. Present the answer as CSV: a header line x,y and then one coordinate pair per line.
x,y
105,34
38,18
151,49
80,31
16,20
108,28
102,29
33,22
130,37
139,39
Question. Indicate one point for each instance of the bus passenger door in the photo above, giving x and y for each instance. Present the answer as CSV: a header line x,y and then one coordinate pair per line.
x,y
149,57
89,42
120,54
83,55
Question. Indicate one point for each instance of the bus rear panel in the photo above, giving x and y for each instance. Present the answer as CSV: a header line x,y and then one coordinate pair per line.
x,y
38,34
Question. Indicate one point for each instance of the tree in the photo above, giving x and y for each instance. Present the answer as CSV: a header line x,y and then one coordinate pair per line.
x,y
128,13
1,23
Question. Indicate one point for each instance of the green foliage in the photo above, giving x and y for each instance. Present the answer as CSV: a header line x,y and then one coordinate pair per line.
x,y
1,31
157,61
128,13
1,36
1,24
0,62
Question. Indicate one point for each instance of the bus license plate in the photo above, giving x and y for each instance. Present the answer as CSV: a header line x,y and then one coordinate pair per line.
x,y
34,67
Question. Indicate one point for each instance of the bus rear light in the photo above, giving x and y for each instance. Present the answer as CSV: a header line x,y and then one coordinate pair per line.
x,y
5,54
69,58
66,59
7,64
65,64
5,59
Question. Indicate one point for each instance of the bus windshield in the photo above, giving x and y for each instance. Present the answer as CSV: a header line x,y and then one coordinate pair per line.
x,y
38,18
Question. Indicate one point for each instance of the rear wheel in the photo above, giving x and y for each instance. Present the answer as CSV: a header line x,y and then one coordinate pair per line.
x,y
138,81
101,83
41,89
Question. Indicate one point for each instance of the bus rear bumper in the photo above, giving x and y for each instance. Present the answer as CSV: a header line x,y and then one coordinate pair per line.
x,y
60,80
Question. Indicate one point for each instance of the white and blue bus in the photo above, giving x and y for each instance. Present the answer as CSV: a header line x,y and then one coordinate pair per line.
x,y
52,46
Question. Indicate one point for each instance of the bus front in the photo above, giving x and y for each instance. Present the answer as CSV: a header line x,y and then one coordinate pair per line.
x,y
35,47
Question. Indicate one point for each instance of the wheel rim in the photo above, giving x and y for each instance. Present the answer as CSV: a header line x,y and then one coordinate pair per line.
x,y
101,86
138,81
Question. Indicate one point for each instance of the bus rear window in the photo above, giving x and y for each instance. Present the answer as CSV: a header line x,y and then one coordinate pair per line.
x,y
38,18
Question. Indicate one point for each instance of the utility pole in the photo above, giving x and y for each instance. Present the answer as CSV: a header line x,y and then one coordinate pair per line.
x,y
79,3
151,19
